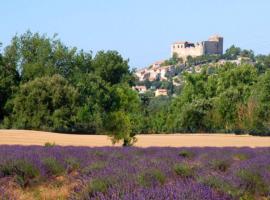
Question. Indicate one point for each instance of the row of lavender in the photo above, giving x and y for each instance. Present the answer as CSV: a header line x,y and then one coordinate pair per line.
x,y
136,173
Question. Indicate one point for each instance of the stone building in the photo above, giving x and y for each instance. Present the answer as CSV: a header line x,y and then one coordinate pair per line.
x,y
161,92
140,88
214,45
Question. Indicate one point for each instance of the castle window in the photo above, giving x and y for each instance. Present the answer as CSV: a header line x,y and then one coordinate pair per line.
x,y
178,46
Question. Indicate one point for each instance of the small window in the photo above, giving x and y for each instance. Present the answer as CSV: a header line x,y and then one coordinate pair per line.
x,y
178,46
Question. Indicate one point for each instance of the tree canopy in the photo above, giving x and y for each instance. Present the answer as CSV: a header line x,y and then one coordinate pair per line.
x,y
46,85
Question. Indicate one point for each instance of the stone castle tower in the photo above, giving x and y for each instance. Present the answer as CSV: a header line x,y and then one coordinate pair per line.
x,y
214,45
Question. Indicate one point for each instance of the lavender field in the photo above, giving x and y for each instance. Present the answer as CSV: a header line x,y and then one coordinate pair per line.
x,y
54,172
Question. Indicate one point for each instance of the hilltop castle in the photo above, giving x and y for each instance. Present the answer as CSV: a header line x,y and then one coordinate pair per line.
x,y
214,45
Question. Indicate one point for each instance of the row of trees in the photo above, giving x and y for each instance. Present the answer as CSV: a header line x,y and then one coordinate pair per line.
x,y
45,85
227,98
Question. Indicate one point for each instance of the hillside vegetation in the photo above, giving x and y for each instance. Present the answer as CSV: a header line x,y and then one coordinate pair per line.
x,y
46,85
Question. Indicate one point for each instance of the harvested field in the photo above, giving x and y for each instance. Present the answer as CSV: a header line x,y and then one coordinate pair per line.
x,y
26,137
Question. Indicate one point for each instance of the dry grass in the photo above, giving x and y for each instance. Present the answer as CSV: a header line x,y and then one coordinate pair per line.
x,y
26,137
57,188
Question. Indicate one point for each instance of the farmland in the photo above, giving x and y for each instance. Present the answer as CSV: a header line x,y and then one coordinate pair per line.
x,y
27,137
56,172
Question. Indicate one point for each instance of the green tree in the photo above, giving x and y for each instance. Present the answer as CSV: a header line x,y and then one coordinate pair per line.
x,y
261,112
47,103
232,53
122,120
9,80
111,67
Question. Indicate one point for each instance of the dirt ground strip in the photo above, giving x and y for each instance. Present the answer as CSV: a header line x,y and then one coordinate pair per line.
x,y
26,137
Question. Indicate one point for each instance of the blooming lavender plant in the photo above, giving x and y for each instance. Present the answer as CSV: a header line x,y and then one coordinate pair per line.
x,y
152,173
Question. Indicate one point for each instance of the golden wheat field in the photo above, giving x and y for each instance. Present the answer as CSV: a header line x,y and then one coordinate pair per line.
x,y
27,137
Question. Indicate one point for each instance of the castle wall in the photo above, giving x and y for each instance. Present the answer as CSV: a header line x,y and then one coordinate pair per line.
x,y
183,52
184,49
211,47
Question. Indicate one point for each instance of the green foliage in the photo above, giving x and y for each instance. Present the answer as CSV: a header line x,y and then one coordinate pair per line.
x,y
9,80
184,170
53,166
252,182
221,165
49,86
46,85
123,107
240,156
49,144
111,67
262,63
220,185
24,172
232,53
199,60
97,185
93,167
154,113
151,176
186,154
72,164
119,126
46,103
174,60
228,100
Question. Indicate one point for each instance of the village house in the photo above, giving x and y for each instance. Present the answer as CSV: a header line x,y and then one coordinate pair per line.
x,y
140,88
161,92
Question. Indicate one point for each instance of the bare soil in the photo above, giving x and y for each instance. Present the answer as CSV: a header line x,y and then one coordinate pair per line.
x,y
27,137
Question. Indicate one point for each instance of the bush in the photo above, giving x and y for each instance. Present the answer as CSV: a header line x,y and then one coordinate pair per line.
x,y
220,185
240,156
98,185
94,186
24,172
186,154
252,182
150,177
184,170
53,167
94,166
72,164
49,144
221,165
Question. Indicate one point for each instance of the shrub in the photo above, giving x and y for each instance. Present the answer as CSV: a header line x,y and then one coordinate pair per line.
x,y
94,186
72,164
221,165
220,185
186,154
95,166
49,144
240,156
98,153
98,185
53,167
150,177
23,171
184,170
252,182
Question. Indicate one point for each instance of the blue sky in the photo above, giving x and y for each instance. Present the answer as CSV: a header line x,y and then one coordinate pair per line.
x,y
141,30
